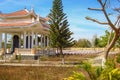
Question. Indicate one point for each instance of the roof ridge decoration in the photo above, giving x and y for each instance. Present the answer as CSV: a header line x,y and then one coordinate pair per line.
x,y
16,13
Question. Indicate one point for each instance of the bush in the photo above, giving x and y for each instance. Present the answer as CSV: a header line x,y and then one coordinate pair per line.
x,y
76,76
118,58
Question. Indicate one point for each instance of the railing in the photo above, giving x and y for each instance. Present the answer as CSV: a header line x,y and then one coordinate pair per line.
x,y
33,51
45,51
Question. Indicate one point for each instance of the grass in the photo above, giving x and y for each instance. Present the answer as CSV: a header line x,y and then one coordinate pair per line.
x,y
42,73
35,73
80,57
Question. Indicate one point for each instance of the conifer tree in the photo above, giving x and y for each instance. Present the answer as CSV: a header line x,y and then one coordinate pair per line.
x,y
60,35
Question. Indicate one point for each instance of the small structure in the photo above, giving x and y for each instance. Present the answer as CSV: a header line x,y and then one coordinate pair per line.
x,y
27,30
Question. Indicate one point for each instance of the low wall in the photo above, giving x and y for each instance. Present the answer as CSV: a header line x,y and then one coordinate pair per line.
x,y
24,51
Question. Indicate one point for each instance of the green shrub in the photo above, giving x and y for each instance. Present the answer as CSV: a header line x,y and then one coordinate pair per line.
x,y
76,76
118,58
43,58
19,57
98,71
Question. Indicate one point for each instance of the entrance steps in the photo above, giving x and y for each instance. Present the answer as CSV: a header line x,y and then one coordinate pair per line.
x,y
7,56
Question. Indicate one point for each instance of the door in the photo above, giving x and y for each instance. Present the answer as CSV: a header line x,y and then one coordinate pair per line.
x,y
15,42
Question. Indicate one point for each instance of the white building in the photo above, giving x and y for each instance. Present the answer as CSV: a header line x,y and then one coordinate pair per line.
x,y
25,27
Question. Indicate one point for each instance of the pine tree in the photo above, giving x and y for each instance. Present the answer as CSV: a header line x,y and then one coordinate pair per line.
x,y
60,35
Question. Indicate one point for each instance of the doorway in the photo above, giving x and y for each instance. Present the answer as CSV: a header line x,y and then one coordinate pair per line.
x,y
15,42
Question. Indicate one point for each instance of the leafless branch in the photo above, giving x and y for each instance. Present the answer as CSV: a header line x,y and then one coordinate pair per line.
x,y
95,20
96,9
105,3
117,21
117,9
106,16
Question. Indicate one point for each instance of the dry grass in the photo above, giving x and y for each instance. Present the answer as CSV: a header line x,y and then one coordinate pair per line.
x,y
35,73
42,73
80,57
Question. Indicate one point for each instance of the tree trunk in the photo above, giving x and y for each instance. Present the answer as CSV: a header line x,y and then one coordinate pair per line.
x,y
109,38
112,43
62,56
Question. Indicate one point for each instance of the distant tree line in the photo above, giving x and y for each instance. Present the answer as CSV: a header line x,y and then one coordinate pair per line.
x,y
82,43
99,42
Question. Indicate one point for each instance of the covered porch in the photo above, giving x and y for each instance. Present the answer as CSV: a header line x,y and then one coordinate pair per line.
x,y
13,39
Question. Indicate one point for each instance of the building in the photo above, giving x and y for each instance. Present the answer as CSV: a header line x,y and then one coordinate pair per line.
x,y
28,30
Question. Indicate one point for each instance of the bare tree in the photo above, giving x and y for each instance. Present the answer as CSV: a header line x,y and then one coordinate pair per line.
x,y
115,26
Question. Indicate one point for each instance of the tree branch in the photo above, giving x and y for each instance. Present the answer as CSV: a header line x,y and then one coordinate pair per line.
x,y
117,21
96,9
106,16
105,3
117,9
94,20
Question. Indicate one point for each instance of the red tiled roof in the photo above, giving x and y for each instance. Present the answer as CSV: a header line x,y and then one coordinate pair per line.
x,y
13,24
47,18
21,24
17,13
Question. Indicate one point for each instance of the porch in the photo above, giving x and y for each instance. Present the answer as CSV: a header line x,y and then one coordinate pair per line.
x,y
26,54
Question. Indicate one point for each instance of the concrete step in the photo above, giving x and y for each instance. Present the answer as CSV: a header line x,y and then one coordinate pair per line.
x,y
7,56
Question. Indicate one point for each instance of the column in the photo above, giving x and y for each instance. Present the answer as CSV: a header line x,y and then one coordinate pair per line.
x,y
32,43
24,40
28,40
36,39
20,41
5,43
41,41
11,42
0,40
44,41
47,41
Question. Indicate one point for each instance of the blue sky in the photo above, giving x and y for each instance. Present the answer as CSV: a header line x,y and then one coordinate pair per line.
x,y
76,11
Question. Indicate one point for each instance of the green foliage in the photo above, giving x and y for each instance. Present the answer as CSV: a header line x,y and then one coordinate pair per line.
x,y
43,58
76,76
118,58
96,42
84,43
114,74
103,40
98,71
60,35
19,58
86,66
110,74
90,70
110,63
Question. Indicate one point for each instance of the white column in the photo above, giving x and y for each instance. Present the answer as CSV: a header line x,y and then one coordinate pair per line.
x,y
0,40
11,42
44,42
32,43
41,41
33,19
36,39
5,43
24,39
28,40
47,41
20,41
